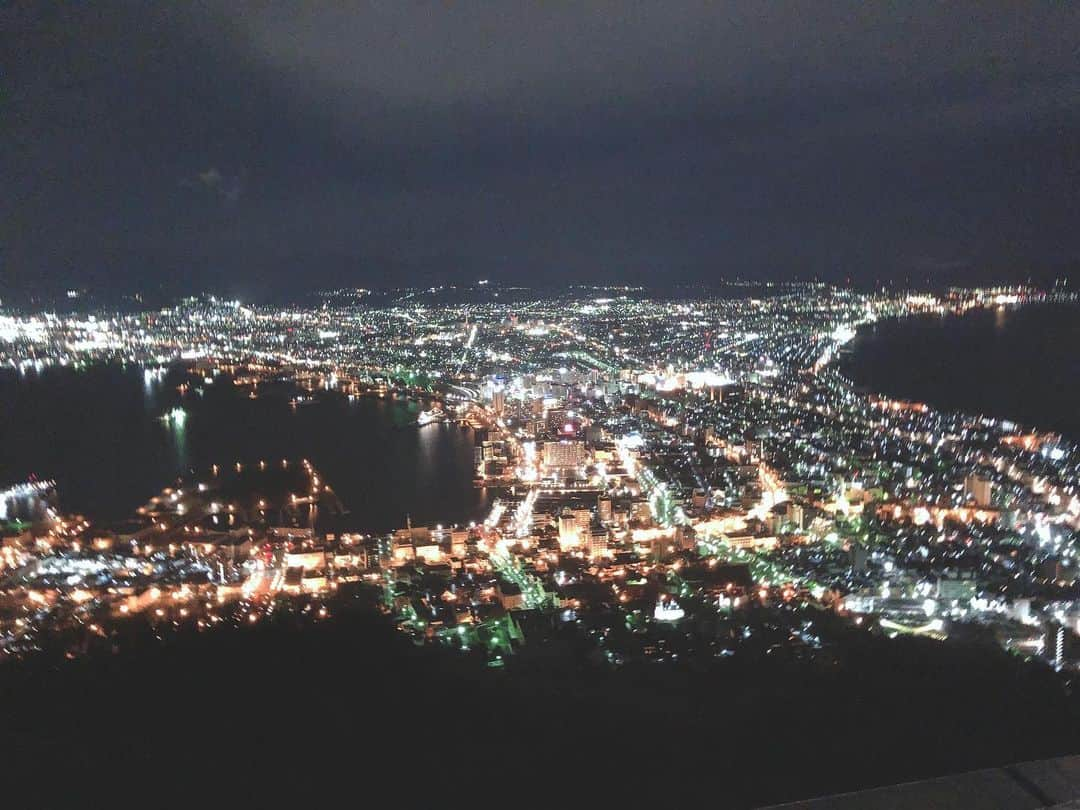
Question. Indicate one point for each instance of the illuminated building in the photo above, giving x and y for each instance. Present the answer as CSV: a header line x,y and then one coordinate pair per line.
x,y
750,541
569,530
978,489
313,581
1058,643
668,610
603,509
564,453
555,419
429,553
510,596
640,510
308,559
459,539
596,542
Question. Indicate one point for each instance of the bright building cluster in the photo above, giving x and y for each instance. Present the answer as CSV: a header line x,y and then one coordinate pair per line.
x,y
677,479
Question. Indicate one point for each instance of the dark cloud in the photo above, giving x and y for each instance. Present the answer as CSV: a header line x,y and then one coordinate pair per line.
x,y
213,182
375,142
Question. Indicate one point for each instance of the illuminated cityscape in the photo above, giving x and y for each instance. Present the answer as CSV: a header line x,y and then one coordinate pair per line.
x,y
675,480
615,404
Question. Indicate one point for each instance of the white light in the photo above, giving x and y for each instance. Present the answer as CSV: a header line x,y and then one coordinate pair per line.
x,y
668,610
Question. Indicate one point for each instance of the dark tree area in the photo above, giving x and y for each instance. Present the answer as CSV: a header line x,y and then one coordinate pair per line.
x,y
350,711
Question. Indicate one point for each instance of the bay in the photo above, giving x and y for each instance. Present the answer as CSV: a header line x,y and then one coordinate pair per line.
x,y
1020,364
97,432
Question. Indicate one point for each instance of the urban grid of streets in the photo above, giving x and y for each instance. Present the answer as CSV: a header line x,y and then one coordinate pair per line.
x,y
678,479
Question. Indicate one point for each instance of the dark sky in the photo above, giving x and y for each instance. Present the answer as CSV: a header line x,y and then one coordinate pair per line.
x,y
240,146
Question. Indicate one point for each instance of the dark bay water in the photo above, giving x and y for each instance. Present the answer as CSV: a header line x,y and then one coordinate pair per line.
x,y
1021,364
97,432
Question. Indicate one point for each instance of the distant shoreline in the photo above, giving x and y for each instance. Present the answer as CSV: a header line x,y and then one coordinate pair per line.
x,y
986,361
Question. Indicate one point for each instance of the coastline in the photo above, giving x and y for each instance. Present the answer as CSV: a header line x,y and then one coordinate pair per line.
x,y
980,363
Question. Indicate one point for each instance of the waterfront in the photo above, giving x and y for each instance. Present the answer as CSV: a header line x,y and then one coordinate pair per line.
x,y
97,433
1021,364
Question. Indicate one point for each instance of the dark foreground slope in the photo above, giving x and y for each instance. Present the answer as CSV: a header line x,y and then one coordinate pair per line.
x,y
350,711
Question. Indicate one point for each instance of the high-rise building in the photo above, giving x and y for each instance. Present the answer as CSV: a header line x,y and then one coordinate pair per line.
x,y
569,531
603,509
584,519
979,489
597,541
563,454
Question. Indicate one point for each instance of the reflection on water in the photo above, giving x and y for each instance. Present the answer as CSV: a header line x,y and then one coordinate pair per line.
x,y
99,434
178,429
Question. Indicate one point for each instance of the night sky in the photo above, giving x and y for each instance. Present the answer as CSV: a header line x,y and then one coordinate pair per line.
x,y
254,147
